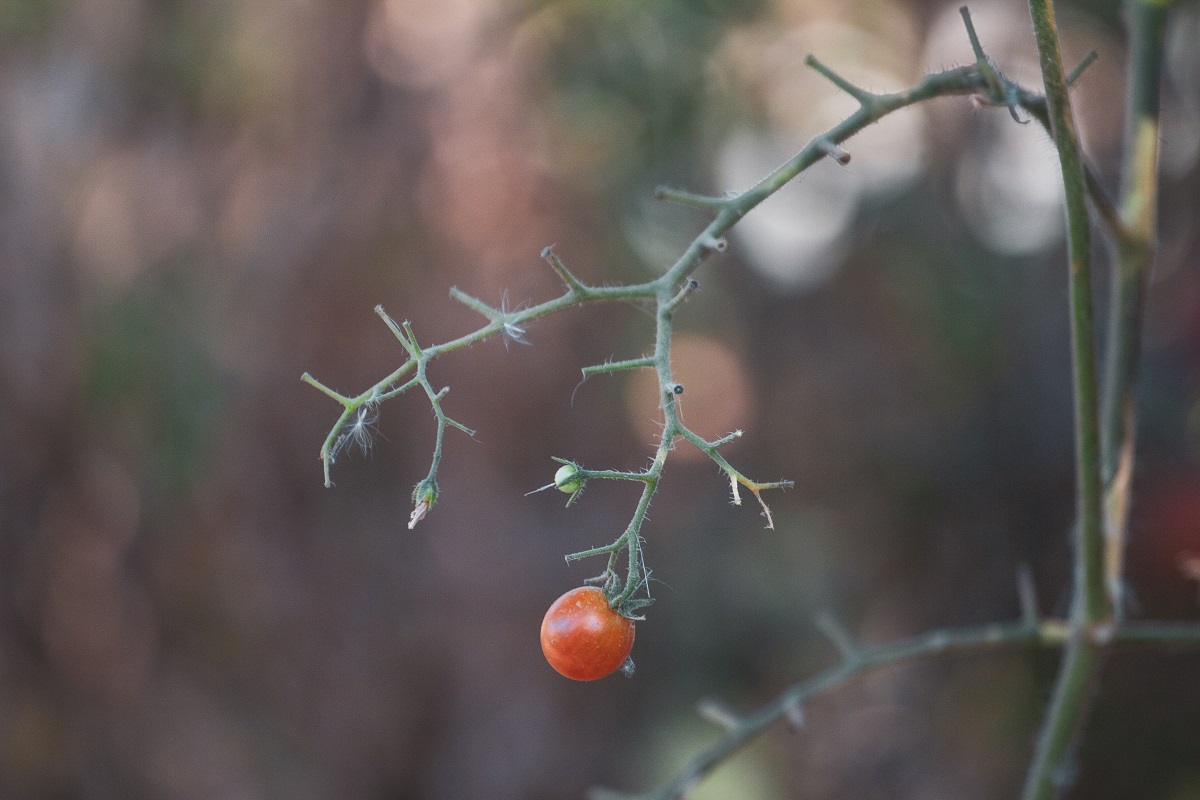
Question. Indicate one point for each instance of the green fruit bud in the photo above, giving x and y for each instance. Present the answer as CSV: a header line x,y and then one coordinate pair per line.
x,y
424,496
426,491
568,479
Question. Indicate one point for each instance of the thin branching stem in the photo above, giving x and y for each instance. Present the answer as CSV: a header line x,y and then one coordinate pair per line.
x,y
1100,461
862,659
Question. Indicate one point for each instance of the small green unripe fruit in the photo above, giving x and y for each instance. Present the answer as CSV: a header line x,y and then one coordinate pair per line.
x,y
568,479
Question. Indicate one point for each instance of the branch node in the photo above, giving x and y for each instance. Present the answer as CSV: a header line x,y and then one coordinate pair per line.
x,y
830,148
712,245
997,95
692,285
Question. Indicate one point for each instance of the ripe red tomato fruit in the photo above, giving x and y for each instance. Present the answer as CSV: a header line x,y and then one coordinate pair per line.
x,y
583,638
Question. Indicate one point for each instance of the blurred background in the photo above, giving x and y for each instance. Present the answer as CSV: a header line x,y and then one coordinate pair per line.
x,y
201,200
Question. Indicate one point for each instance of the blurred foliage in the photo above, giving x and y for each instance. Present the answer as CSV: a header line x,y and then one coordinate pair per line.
x,y
22,20
150,386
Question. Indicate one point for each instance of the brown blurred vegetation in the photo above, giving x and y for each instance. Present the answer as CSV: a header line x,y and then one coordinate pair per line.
x,y
200,200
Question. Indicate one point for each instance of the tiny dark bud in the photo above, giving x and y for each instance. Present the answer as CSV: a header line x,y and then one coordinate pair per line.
x,y
693,284
677,388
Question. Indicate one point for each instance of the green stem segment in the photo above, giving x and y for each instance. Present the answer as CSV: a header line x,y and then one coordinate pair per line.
x,y
1090,592
741,729
1092,608
1135,248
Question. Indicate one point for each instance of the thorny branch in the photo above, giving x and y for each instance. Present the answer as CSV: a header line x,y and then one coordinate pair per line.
x,y
1129,226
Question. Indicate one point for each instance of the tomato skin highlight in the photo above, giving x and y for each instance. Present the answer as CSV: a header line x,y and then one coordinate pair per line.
x,y
583,638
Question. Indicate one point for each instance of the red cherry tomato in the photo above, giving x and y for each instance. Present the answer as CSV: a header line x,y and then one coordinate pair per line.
x,y
583,638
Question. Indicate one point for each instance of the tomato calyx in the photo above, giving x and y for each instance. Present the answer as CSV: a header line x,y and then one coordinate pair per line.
x,y
424,496
614,592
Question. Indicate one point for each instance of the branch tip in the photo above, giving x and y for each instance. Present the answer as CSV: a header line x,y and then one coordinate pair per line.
x,y
831,149
617,366
1087,61
669,195
551,258
976,46
719,714
839,636
864,97
1027,595
474,304
316,384
794,714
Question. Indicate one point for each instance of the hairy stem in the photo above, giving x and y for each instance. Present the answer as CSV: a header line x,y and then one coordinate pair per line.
x,y
740,730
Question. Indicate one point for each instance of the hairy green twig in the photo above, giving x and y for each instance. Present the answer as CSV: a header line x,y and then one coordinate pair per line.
x,y
1090,627
741,728
667,292
1104,450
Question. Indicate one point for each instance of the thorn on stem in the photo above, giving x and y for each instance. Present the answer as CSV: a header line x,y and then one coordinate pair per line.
x,y
837,634
833,151
794,714
1027,594
864,97
976,47
1088,60
559,267
667,194
718,714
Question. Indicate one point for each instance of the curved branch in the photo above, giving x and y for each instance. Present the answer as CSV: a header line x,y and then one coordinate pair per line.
x,y
741,729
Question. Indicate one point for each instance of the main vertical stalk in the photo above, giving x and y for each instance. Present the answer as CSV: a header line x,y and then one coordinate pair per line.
x,y
1091,606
